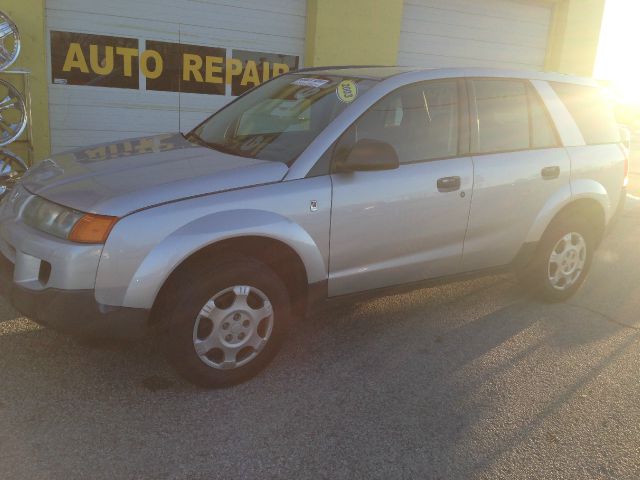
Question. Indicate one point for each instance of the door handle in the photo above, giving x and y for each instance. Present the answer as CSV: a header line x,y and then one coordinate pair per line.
x,y
448,184
549,173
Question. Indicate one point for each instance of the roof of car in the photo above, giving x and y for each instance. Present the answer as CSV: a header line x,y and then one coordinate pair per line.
x,y
383,72
363,71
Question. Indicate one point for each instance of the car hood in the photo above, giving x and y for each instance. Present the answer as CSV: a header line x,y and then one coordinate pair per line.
x,y
121,177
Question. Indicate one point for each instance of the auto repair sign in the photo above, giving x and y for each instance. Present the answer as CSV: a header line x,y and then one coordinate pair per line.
x,y
118,62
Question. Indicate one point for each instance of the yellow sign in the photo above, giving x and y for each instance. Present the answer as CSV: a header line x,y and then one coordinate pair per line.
x,y
191,71
118,62
347,91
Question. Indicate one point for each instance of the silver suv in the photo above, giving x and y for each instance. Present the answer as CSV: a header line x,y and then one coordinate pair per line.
x,y
317,184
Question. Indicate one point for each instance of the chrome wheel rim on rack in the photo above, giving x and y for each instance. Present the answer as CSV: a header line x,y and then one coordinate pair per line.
x,y
13,113
9,41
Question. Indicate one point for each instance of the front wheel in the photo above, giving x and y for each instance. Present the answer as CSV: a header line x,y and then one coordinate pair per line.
x,y
227,322
562,261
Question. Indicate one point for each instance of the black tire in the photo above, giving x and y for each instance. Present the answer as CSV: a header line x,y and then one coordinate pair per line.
x,y
535,276
199,284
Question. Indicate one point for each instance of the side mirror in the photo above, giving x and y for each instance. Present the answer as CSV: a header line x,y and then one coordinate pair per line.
x,y
370,155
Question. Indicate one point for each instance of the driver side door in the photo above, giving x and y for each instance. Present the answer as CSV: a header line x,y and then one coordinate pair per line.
x,y
408,224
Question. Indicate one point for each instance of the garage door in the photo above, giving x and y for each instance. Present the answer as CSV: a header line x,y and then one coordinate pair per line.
x,y
123,68
474,33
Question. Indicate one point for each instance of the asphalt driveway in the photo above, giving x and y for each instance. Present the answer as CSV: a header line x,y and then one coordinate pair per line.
x,y
469,380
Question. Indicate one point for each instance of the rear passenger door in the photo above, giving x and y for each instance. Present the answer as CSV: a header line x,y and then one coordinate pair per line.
x,y
518,166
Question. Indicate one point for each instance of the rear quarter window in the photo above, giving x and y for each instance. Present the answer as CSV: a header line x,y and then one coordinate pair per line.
x,y
591,112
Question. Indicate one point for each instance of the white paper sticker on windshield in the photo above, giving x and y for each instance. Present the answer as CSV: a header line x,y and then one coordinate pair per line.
x,y
310,82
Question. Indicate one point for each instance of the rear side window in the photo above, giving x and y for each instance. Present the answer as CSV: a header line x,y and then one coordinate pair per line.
x,y
592,113
503,116
543,133
510,117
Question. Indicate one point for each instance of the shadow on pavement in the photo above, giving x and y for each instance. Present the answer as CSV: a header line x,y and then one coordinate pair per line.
x,y
442,382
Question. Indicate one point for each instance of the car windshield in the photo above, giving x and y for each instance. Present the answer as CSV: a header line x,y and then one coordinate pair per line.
x,y
278,120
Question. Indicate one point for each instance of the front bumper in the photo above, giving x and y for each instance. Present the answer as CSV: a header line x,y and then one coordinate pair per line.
x,y
73,311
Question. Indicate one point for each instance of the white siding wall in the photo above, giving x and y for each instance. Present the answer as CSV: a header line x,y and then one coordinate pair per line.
x,y
82,115
474,33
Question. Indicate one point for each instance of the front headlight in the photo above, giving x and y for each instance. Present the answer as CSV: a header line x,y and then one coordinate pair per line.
x,y
66,222
50,217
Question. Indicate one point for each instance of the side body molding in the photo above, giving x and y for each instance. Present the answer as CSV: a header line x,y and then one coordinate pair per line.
x,y
146,247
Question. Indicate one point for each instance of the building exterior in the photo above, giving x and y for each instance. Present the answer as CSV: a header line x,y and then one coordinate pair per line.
x,y
102,71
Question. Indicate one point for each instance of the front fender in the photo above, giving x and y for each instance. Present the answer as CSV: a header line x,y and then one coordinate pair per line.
x,y
144,284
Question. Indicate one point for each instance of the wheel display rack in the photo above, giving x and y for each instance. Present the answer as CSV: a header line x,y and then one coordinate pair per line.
x,y
15,106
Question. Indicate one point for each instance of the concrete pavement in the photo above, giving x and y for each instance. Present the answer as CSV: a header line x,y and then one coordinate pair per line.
x,y
472,380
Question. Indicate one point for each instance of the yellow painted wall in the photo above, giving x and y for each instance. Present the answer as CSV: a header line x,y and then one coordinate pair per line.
x,y
29,16
574,36
355,32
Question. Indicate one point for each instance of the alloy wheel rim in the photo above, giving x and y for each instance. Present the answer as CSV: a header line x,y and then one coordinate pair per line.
x,y
233,327
567,261
13,113
9,42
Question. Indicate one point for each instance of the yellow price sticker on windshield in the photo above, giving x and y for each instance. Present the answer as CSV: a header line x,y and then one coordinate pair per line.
x,y
347,91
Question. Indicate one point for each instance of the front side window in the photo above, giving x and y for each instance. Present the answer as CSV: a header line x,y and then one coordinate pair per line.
x,y
419,121
278,120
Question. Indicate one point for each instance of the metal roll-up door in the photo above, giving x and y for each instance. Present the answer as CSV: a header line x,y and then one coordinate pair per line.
x,y
88,107
475,33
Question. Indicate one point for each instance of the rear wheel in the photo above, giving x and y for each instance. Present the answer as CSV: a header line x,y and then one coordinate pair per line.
x,y
562,261
227,321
